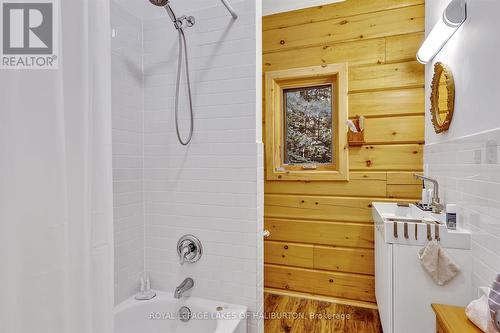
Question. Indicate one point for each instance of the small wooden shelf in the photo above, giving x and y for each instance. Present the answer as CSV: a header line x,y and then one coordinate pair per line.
x,y
452,319
356,139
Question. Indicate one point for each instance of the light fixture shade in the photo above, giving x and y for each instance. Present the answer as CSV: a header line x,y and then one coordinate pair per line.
x,y
453,17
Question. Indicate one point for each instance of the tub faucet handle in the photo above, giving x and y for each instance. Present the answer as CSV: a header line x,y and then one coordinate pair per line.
x,y
186,249
189,249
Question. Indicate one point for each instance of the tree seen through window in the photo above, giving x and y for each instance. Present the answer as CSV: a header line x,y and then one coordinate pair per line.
x,y
308,125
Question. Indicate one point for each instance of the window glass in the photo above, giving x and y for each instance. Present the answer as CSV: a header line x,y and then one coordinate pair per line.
x,y
308,125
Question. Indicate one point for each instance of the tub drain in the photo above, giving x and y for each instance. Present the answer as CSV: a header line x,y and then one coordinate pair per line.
x,y
185,314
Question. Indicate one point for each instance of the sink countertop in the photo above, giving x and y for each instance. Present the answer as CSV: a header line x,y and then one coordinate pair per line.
x,y
384,213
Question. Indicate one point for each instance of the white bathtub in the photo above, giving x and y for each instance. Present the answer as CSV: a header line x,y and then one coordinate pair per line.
x,y
160,315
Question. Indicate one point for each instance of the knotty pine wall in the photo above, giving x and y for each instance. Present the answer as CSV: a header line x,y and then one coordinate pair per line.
x,y
321,241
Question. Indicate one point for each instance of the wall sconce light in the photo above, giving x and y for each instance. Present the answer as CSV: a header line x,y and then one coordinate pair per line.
x,y
453,17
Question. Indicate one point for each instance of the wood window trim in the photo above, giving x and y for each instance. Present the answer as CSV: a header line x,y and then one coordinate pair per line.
x,y
276,82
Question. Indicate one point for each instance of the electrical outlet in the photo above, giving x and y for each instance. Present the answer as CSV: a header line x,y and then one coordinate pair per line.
x,y
477,156
491,152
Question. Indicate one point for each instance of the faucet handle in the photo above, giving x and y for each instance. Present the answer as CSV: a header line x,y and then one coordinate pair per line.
x,y
189,249
186,248
437,208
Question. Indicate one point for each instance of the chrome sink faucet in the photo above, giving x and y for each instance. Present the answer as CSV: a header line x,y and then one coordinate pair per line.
x,y
436,205
187,284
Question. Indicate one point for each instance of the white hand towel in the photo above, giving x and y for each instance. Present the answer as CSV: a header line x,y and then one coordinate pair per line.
x,y
437,263
478,312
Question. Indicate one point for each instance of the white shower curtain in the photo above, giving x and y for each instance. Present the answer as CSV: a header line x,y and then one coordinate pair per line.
x,y
56,232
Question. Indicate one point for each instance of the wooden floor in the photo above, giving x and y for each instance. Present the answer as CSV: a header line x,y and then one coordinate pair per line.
x,y
297,315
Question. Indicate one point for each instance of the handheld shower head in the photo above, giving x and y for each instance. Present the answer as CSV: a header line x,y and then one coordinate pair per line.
x,y
165,4
171,13
159,3
180,24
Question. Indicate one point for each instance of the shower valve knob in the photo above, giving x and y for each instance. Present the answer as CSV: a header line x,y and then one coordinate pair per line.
x,y
189,249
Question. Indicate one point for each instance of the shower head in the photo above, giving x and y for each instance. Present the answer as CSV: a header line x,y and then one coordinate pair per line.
x,y
165,4
159,3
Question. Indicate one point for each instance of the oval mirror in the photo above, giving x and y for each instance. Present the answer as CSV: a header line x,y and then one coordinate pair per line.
x,y
442,97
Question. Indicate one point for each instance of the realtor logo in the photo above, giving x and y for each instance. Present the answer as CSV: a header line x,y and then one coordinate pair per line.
x,y
29,34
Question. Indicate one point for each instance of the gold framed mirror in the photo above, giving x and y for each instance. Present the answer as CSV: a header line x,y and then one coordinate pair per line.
x,y
442,97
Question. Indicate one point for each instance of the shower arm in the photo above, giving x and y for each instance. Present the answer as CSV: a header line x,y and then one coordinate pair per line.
x,y
230,9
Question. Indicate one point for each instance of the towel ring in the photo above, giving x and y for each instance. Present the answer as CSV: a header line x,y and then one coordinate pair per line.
x,y
436,232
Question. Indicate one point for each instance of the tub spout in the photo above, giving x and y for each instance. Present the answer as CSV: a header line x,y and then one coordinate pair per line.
x,y
187,284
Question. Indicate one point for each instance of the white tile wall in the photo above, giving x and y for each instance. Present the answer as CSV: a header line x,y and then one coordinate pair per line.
x,y
212,188
127,88
468,168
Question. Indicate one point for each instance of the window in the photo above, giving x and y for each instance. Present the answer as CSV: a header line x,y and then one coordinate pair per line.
x,y
306,111
308,125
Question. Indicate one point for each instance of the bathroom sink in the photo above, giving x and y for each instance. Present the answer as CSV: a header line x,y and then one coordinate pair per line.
x,y
402,285
412,226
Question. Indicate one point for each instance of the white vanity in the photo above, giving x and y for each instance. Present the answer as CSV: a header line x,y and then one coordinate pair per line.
x,y
404,290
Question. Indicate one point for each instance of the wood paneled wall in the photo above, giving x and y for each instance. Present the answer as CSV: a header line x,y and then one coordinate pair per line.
x,y
321,239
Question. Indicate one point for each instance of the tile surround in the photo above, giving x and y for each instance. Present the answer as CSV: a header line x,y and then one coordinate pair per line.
x,y
212,188
127,133
468,170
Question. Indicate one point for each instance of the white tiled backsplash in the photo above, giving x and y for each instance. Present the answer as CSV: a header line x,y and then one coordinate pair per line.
x,y
468,170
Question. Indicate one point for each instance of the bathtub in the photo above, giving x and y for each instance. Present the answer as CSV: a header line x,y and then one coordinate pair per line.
x,y
160,314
